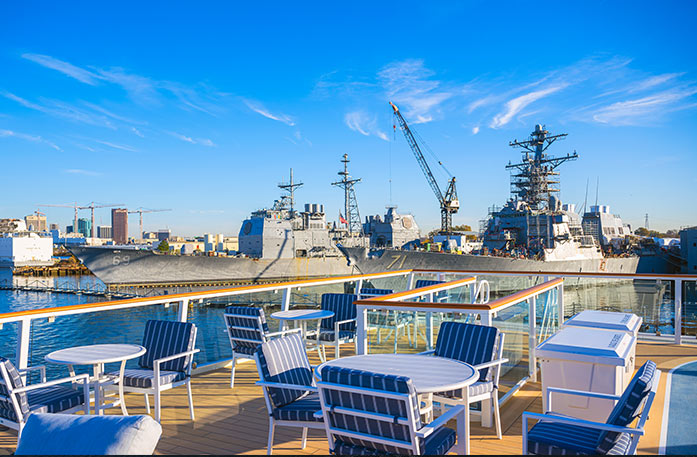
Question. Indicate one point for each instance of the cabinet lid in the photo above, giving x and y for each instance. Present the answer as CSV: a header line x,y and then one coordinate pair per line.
x,y
626,322
591,345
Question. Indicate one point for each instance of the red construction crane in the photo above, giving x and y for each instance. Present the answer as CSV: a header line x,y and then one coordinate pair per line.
x,y
142,210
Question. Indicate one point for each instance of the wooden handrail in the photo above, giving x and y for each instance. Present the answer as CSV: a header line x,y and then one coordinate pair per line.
x,y
686,277
426,289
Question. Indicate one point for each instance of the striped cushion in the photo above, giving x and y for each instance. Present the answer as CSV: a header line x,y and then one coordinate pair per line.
x,y
145,379
426,282
547,438
370,291
246,350
14,380
343,307
301,410
478,388
285,360
630,405
398,408
165,338
329,335
54,399
437,443
469,343
252,323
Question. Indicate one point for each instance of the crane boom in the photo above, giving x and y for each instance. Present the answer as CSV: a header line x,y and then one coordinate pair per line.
x,y
449,202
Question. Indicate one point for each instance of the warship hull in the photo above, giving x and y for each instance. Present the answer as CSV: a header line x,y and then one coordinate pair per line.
x,y
372,261
126,266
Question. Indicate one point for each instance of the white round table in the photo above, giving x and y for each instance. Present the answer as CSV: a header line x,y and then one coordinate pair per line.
x,y
429,374
97,355
302,316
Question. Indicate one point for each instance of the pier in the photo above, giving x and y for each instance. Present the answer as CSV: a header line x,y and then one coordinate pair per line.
x,y
41,286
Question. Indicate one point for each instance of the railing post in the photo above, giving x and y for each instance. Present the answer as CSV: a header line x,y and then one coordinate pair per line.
x,y
429,326
532,338
410,281
678,311
183,310
286,299
359,286
560,304
23,337
362,333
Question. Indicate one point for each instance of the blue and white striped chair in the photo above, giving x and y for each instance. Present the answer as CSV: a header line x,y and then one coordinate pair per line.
x,y
339,329
247,328
370,413
18,401
558,434
166,363
286,376
482,347
394,321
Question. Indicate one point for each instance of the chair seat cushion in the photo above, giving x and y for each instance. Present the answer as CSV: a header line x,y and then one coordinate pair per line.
x,y
328,335
478,388
547,438
145,379
301,410
247,350
54,399
437,443
55,434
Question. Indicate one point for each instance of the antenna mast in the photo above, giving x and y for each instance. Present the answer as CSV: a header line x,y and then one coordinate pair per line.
x,y
290,188
353,219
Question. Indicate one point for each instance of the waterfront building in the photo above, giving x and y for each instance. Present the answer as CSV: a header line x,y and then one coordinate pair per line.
x,y
119,225
54,227
104,231
163,234
84,227
36,222
21,248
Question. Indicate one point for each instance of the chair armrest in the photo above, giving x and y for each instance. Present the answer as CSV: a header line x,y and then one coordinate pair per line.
x,y
490,364
281,385
581,422
284,332
581,393
431,352
79,377
443,419
175,356
41,368
344,322
319,414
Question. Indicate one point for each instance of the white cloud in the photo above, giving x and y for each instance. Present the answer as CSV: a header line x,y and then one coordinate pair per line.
x,y
117,146
66,68
62,110
515,105
641,110
475,130
137,132
188,139
26,137
78,171
360,122
258,108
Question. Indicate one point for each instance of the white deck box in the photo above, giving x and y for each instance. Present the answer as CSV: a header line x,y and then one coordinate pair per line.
x,y
606,320
588,359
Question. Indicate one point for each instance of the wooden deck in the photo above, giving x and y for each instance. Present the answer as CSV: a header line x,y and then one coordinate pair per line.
x,y
234,421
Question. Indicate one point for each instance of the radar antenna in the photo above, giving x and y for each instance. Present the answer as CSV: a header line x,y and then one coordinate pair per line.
x,y
353,219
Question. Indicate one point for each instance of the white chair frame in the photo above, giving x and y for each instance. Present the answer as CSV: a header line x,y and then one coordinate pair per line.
x,y
269,407
158,388
457,412
321,351
260,328
4,378
636,432
489,400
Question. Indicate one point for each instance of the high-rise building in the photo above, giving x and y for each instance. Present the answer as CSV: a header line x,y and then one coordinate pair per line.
x,y
36,222
84,226
163,234
119,225
54,227
104,231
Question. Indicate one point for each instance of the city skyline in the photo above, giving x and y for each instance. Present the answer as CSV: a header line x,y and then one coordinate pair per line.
x,y
206,112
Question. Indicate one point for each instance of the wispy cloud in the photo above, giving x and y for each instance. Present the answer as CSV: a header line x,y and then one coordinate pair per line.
x,y
78,171
258,108
26,137
137,132
475,130
62,110
514,106
411,85
66,68
188,139
361,122
641,110
116,146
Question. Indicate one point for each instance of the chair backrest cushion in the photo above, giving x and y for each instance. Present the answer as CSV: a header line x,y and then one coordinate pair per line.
x,y
630,404
469,343
372,401
249,318
165,338
12,379
343,307
369,291
67,434
426,282
285,360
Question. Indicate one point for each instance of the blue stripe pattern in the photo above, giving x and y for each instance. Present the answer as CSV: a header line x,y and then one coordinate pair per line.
x,y
54,399
7,409
145,379
284,360
343,307
426,282
251,322
334,396
630,404
371,291
165,338
302,410
469,343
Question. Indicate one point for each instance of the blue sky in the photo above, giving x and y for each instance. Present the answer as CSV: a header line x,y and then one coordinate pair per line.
x,y
203,108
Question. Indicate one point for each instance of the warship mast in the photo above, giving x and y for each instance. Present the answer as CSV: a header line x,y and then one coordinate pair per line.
x,y
353,219
290,188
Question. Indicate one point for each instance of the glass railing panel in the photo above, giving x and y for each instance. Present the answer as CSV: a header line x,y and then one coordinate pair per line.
x,y
689,308
502,286
514,323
